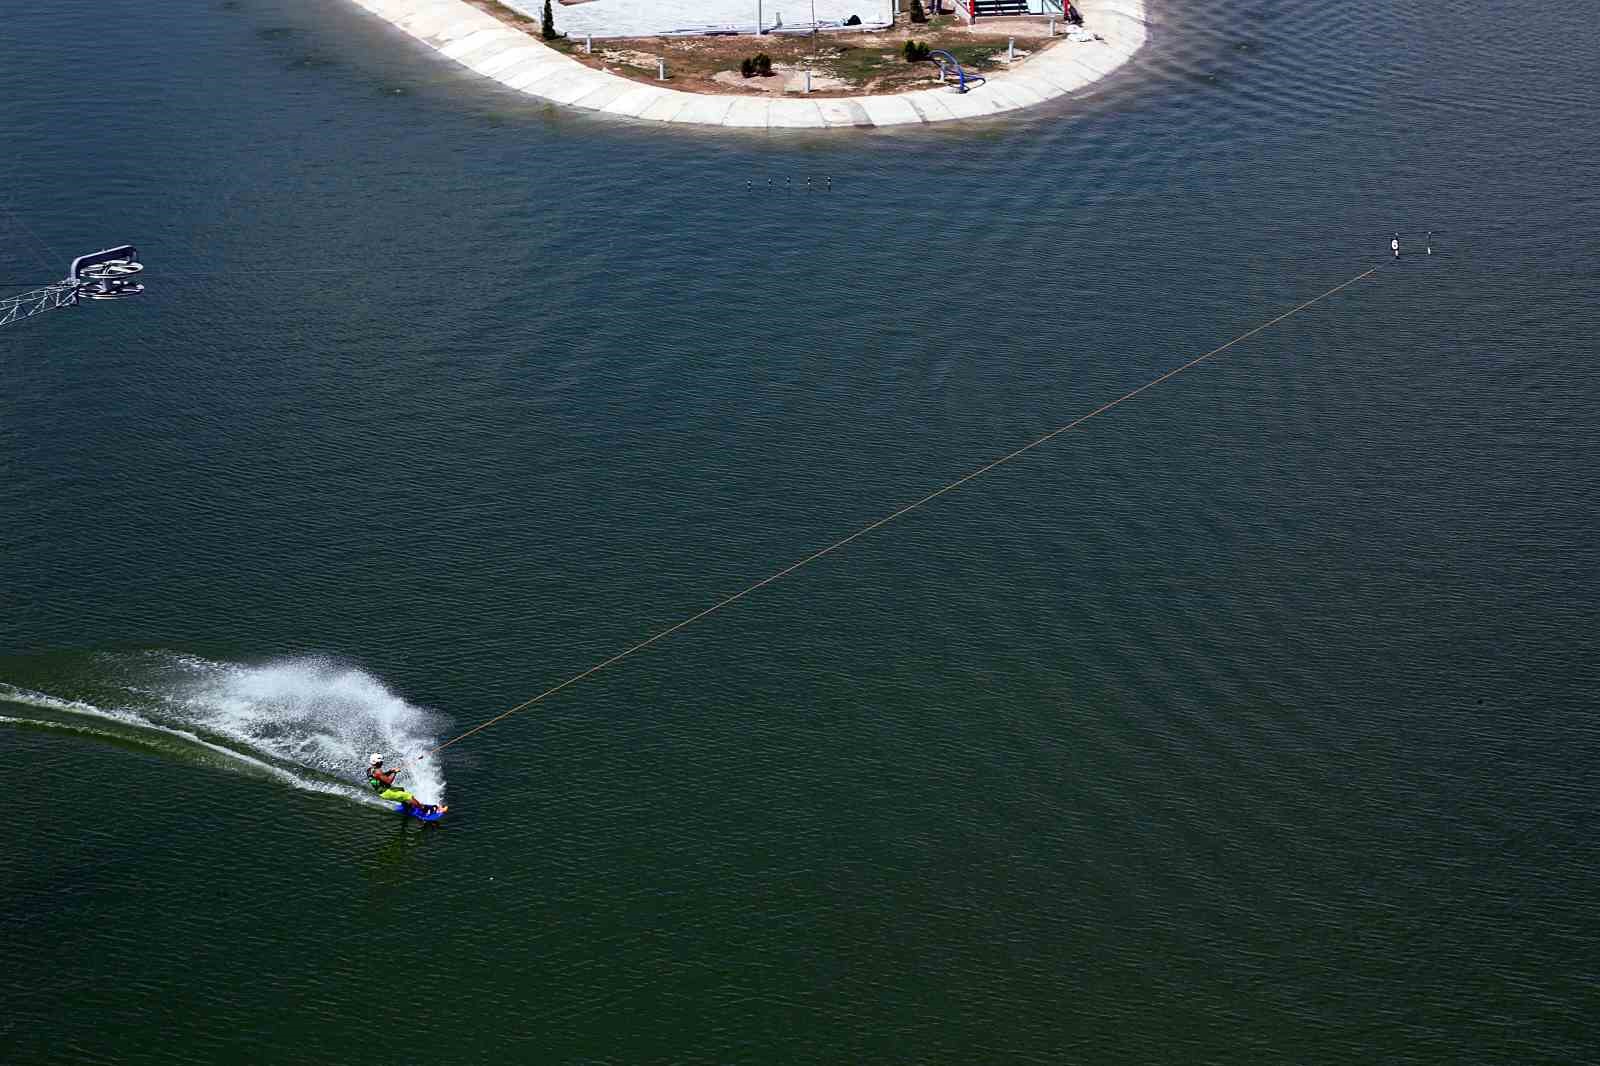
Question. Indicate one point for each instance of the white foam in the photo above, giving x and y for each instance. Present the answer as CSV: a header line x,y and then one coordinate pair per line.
x,y
12,694
310,713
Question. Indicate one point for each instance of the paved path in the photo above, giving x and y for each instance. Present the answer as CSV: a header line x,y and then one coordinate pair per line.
x,y
482,42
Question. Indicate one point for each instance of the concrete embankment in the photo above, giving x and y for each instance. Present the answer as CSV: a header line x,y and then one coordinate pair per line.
x,y
495,50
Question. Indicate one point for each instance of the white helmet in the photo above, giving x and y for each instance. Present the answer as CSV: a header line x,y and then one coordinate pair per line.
x,y
374,759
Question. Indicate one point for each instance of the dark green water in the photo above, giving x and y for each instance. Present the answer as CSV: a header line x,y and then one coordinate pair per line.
x,y
1252,722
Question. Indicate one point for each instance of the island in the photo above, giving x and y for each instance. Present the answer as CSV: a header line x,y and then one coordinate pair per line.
x,y
758,64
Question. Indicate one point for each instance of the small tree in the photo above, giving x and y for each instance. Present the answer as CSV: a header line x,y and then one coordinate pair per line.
x,y
747,67
916,51
547,25
917,13
763,64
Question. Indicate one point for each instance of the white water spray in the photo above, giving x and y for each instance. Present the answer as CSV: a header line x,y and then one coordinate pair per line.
x,y
311,722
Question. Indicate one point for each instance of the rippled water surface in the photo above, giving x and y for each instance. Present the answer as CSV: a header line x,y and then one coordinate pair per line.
x,y
1252,721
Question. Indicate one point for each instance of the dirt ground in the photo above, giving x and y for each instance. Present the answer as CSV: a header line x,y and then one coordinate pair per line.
x,y
841,63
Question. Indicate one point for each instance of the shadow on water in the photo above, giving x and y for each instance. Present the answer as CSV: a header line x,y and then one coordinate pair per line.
x,y
312,61
384,864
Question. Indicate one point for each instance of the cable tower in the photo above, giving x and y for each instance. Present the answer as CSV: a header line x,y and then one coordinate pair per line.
x,y
111,274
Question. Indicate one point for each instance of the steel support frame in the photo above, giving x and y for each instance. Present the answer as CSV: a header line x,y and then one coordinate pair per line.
x,y
37,302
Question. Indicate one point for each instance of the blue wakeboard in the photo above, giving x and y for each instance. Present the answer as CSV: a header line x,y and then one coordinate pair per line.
x,y
421,816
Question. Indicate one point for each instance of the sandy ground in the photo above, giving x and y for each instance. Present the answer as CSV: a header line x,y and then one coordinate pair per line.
x,y
783,80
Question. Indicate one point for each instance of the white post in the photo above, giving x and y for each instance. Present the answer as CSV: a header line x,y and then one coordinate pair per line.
x,y
661,70
1011,49
1052,25
808,80
588,45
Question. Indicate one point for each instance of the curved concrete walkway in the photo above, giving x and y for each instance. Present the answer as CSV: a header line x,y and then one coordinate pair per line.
x,y
482,42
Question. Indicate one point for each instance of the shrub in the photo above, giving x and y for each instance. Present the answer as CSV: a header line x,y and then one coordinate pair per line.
x,y
547,25
763,64
747,67
917,13
916,51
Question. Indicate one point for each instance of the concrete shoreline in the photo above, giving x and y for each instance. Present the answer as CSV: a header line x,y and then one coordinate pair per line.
x,y
483,43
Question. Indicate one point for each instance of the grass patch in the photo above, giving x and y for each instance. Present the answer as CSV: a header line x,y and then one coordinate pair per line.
x,y
507,14
861,65
976,56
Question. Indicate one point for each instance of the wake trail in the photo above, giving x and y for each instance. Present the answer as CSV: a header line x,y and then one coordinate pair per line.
x,y
305,722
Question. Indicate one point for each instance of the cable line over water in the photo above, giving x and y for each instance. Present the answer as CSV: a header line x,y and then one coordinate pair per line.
x,y
907,509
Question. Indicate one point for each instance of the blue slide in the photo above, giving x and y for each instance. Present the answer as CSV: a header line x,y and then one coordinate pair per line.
x,y
948,63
